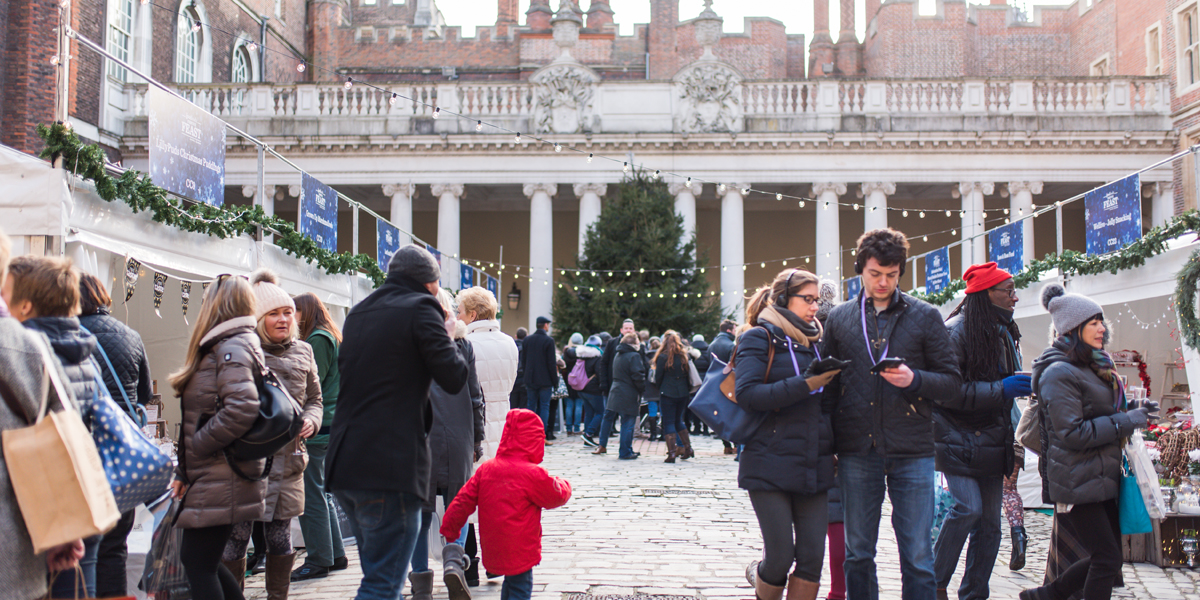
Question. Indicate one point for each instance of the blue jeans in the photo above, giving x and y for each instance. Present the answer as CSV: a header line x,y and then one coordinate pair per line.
x,y
593,411
628,423
909,485
68,582
976,513
672,414
420,559
572,413
539,402
517,587
319,523
386,525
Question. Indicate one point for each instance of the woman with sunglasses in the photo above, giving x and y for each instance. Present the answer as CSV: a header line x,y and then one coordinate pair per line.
x,y
220,403
787,464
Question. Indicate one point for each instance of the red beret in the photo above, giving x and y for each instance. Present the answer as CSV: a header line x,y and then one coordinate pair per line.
x,y
982,277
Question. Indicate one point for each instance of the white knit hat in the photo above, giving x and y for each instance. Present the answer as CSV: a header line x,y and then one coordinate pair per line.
x,y
267,293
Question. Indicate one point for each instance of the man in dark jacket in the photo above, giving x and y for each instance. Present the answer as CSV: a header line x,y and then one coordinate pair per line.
x,y
516,398
883,422
722,345
396,343
974,434
540,364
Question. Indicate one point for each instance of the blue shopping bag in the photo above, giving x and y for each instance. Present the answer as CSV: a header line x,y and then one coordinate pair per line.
x,y
943,503
138,471
1131,507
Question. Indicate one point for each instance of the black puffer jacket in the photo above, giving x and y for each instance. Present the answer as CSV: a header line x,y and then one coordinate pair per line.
x,y
73,347
591,366
974,434
872,412
1081,431
629,381
128,356
672,381
792,451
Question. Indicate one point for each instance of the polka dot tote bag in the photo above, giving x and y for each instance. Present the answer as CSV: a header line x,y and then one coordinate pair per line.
x,y
138,471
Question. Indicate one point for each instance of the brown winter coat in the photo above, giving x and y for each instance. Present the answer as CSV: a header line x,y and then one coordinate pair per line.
x,y
223,396
294,365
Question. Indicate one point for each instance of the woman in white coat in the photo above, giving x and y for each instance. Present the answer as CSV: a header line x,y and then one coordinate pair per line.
x,y
496,368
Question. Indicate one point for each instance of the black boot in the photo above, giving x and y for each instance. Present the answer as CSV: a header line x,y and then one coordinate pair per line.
x,y
1019,540
653,428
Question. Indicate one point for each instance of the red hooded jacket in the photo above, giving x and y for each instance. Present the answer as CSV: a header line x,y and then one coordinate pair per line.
x,y
510,490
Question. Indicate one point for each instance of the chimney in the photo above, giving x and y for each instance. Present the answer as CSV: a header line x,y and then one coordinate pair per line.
x,y
538,15
324,18
820,52
848,52
599,14
664,18
506,16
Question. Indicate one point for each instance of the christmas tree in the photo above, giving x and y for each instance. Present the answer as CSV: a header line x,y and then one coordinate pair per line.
x,y
636,265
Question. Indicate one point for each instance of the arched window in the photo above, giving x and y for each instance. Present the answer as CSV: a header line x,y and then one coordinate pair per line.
x,y
188,45
242,70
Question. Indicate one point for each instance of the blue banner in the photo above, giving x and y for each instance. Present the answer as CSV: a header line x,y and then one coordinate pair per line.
x,y
387,240
187,148
937,270
853,288
318,212
437,255
493,286
1113,215
1006,247
468,277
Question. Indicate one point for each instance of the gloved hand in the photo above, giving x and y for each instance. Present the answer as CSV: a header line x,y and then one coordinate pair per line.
x,y
478,452
1147,413
1139,417
826,364
1017,386
817,382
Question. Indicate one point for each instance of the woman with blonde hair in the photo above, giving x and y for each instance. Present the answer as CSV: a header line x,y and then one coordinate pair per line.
x,y
787,464
291,360
219,399
671,379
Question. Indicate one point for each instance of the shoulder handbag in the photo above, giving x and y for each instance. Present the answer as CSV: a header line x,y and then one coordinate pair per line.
x,y
135,410
716,406
1029,429
694,376
55,470
137,470
1131,508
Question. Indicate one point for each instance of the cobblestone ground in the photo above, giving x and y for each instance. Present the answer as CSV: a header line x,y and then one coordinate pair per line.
x,y
647,528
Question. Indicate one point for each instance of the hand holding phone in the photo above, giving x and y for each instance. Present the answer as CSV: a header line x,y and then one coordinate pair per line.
x,y
887,363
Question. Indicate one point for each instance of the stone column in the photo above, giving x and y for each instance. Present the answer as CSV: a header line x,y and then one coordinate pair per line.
x,y
1020,204
541,248
1162,202
973,251
448,195
402,195
733,251
829,256
685,206
820,51
589,207
876,194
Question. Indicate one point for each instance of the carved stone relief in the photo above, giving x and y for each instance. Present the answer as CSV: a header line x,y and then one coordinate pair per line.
x,y
710,98
563,98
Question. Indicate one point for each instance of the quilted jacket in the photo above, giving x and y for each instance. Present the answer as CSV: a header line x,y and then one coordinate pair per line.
x,y
73,347
294,365
222,394
496,368
974,434
127,354
870,412
510,491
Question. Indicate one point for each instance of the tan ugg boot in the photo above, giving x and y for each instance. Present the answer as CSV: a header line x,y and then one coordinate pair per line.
x,y
801,589
238,568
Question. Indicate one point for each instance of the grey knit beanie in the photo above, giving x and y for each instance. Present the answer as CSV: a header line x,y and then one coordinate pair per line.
x,y
416,263
576,339
1068,311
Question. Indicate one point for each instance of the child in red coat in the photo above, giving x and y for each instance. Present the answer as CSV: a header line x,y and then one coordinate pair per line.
x,y
510,490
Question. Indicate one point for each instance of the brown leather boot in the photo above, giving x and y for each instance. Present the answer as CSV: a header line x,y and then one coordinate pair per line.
x,y
599,450
801,589
762,589
279,575
238,568
669,438
685,446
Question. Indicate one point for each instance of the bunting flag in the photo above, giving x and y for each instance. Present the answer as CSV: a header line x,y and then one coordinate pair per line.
x,y
468,277
133,269
160,284
493,285
185,293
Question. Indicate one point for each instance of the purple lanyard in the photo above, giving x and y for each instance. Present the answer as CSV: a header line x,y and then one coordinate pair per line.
x,y
866,338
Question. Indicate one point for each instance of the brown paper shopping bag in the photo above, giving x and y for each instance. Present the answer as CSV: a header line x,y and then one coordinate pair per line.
x,y
56,472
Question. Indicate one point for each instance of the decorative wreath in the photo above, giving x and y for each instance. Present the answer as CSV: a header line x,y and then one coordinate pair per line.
x,y
1185,301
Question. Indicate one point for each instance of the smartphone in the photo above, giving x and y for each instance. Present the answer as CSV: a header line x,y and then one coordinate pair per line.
x,y
887,363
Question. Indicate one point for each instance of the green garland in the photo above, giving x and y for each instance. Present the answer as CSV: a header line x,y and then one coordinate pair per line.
x,y
1185,301
1153,243
135,189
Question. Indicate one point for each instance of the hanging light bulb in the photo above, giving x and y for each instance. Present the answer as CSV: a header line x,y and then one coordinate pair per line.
x,y
557,147
724,268
801,204
625,167
853,251
689,182
922,214
1006,221
785,263
300,67
953,232
54,59
251,46
904,214
628,273
437,111
778,196
745,191
948,213
664,273
196,26
703,269
518,137
856,207
392,100
762,265
642,270
478,125
1006,211
826,207
1020,211
807,260
657,174
721,188
590,155
925,238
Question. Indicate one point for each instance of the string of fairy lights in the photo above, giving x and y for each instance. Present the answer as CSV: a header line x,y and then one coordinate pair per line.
x,y
626,166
